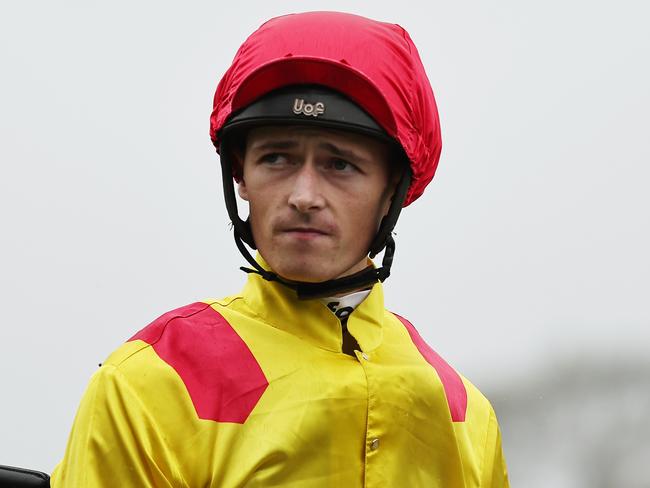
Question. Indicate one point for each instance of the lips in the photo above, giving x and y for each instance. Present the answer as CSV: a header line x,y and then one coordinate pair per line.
x,y
305,234
306,230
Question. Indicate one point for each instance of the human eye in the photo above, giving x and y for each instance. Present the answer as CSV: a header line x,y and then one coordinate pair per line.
x,y
341,165
273,159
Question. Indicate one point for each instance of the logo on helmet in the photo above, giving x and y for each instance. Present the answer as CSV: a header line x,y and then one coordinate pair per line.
x,y
313,109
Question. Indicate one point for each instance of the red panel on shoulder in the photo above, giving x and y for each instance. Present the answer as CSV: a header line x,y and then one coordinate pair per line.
x,y
451,380
222,377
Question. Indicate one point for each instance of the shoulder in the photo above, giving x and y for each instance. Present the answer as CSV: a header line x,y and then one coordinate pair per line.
x,y
183,326
475,423
194,349
462,395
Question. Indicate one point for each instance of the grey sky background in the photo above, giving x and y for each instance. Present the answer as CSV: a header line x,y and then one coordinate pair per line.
x,y
529,248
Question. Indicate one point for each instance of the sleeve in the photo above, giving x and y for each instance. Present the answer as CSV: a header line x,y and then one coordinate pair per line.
x,y
115,441
494,473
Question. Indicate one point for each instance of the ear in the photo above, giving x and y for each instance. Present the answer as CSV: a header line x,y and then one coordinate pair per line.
x,y
238,167
242,190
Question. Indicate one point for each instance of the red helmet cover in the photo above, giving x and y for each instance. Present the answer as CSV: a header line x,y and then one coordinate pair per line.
x,y
374,63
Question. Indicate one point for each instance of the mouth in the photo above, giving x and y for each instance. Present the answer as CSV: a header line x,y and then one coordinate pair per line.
x,y
305,233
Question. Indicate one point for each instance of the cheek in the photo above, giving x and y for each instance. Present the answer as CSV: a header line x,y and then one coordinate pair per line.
x,y
258,207
258,220
373,200
362,213
253,189
262,202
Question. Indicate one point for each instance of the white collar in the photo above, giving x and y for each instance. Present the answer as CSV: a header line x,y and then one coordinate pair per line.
x,y
345,305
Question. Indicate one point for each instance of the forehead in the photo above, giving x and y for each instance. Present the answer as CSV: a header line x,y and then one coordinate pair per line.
x,y
297,133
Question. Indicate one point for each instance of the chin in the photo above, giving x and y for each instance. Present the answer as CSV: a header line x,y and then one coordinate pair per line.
x,y
304,275
304,270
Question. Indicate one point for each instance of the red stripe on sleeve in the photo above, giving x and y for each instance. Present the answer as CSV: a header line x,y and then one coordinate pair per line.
x,y
222,377
451,380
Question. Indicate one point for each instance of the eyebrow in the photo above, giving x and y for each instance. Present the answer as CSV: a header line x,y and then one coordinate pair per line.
x,y
288,144
265,146
344,153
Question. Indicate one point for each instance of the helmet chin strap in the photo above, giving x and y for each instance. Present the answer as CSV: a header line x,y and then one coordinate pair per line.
x,y
306,290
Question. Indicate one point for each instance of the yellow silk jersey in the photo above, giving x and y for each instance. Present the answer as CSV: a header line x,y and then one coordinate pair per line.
x,y
254,391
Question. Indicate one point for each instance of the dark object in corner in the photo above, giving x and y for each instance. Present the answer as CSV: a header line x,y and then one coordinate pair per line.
x,y
11,477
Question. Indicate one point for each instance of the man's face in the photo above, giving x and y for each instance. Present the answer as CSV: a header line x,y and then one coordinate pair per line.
x,y
316,198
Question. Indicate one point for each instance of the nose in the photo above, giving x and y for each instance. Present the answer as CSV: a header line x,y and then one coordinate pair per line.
x,y
306,193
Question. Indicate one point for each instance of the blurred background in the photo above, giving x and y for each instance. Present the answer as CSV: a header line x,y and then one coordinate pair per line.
x,y
525,264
